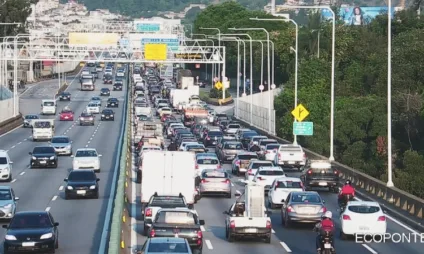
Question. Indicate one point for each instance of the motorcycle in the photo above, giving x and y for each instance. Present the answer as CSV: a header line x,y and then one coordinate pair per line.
x,y
343,202
327,246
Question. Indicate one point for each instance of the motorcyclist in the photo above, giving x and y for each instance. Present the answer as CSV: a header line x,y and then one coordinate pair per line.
x,y
347,189
255,148
172,146
326,226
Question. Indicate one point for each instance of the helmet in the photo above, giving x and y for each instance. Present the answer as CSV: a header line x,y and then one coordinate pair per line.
x,y
347,182
328,214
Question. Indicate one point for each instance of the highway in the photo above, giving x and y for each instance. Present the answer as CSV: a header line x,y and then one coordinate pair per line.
x,y
299,239
81,221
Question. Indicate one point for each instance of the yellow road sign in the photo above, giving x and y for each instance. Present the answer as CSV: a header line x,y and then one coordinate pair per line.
x,y
218,85
300,113
154,52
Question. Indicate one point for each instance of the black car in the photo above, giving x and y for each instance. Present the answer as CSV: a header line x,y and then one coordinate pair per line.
x,y
108,114
104,92
82,183
43,156
65,96
320,177
31,231
107,79
112,103
211,138
117,87
172,225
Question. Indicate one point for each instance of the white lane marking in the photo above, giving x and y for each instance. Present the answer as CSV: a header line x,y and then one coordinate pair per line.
x,y
86,145
202,228
396,221
21,174
30,137
61,188
14,180
48,209
54,198
20,143
25,139
91,139
88,142
370,249
133,205
12,147
285,247
232,184
272,230
209,244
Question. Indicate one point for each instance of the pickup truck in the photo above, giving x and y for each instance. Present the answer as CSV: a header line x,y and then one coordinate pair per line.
x,y
290,156
179,223
238,225
158,202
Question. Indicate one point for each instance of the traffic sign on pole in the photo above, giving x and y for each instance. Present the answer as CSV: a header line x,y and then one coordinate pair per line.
x,y
303,128
300,113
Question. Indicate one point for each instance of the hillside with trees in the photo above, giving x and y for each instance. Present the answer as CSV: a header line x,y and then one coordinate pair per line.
x,y
15,11
361,87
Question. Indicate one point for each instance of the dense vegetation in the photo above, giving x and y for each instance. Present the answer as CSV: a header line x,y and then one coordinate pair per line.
x,y
361,87
14,11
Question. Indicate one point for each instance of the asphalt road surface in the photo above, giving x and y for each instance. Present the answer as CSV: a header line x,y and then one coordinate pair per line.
x,y
297,239
81,221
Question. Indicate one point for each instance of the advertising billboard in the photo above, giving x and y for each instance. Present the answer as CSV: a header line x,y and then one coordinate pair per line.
x,y
94,39
147,26
358,15
170,40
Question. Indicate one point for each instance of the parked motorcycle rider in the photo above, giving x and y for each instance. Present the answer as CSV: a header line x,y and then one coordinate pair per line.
x,y
326,226
172,146
347,189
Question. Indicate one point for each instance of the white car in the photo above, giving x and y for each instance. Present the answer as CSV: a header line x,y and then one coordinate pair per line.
x,y
93,108
164,111
120,74
280,189
253,167
149,148
96,99
108,72
232,128
270,151
362,217
265,176
86,158
205,161
183,144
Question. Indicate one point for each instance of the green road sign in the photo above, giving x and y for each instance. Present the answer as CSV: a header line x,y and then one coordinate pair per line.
x,y
303,128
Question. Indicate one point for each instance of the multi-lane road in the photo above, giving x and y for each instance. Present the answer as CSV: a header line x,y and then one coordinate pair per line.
x,y
81,220
299,239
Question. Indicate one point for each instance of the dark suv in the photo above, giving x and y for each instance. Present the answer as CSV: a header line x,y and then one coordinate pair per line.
x,y
320,174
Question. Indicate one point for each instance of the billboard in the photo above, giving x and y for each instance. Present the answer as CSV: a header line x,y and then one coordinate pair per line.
x,y
147,26
98,39
357,15
155,52
172,42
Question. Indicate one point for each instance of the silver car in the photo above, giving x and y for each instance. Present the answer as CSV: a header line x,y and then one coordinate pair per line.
x,y
7,202
62,145
215,182
166,245
305,207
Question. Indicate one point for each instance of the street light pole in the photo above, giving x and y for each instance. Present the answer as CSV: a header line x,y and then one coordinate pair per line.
x,y
269,69
213,65
219,45
333,50
389,97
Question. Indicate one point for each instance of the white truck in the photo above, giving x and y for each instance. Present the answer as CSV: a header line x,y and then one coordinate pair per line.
x,y
181,96
167,173
249,217
187,82
42,129
289,155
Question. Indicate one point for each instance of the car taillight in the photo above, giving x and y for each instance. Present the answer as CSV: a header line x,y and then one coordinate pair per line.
x,y
268,224
152,233
346,217
219,166
204,181
279,156
336,172
148,212
232,224
226,181
208,138
323,210
382,218
199,234
91,118
290,209
197,166
260,178
249,172
309,172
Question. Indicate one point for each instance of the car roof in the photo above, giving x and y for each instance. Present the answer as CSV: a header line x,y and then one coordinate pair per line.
x,y
213,155
271,168
31,213
4,187
232,142
304,192
3,153
246,153
261,162
288,179
86,149
82,171
167,240
268,139
60,137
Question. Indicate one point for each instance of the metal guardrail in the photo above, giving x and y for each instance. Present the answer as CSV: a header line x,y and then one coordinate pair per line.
x,y
403,205
111,234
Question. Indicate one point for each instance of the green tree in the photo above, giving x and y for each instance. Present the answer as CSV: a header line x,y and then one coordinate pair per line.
x,y
14,11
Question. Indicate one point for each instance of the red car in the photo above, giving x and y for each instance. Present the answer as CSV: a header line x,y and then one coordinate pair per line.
x,y
66,115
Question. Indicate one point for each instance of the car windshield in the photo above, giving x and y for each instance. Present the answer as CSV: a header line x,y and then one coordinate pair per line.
x,y
235,146
215,174
5,195
167,248
194,147
272,147
86,115
271,172
3,161
30,221
81,176
207,161
247,156
266,142
48,103
233,126
306,198
215,133
105,89
249,134
289,185
365,209
86,153
107,111
46,149
167,201
60,140
175,217
66,111
261,164
93,105
31,117
42,125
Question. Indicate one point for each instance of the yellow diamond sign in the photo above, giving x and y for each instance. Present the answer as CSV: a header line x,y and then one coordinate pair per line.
x,y
300,113
218,85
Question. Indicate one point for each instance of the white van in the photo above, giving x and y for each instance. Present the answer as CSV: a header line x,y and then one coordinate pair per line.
x,y
48,107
